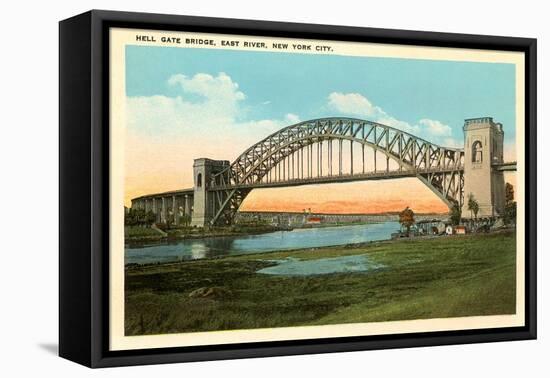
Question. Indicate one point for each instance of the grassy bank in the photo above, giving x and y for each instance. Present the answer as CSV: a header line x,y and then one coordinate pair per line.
x,y
141,234
138,234
430,278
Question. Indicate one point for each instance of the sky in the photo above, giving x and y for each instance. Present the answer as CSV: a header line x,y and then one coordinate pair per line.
x,y
185,103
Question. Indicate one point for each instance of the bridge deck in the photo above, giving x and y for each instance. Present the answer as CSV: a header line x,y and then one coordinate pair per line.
x,y
380,175
180,192
506,167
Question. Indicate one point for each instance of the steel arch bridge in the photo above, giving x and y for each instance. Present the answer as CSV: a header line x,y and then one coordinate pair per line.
x,y
332,150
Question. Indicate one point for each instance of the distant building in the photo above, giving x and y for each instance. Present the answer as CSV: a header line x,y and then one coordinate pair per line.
x,y
430,227
460,230
314,220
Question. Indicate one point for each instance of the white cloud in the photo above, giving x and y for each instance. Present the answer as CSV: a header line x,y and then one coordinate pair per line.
x,y
221,87
267,126
355,104
204,102
401,125
292,118
436,128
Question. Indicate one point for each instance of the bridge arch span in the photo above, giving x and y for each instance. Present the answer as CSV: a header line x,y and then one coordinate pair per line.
x,y
439,168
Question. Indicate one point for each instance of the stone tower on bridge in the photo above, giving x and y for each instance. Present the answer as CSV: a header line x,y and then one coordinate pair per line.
x,y
203,200
483,150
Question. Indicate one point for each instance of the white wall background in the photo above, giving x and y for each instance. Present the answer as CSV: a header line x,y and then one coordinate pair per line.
x,y
29,189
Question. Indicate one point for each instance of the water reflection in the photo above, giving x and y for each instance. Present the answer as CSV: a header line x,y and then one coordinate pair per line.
x,y
198,251
343,264
282,240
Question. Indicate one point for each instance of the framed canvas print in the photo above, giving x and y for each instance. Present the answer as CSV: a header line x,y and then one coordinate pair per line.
x,y
234,188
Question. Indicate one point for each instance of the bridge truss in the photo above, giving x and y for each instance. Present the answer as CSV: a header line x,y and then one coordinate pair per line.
x,y
331,150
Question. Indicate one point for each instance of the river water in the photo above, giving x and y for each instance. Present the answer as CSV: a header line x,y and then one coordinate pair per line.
x,y
192,249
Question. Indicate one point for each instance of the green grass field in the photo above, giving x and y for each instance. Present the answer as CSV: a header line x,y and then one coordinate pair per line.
x,y
424,278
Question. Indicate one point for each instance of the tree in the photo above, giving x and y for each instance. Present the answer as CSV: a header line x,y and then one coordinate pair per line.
x,y
133,217
455,214
509,193
186,220
129,217
138,217
510,209
473,206
406,218
149,218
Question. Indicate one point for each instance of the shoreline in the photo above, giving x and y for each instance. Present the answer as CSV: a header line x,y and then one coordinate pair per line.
x,y
141,241
293,250
161,239
349,246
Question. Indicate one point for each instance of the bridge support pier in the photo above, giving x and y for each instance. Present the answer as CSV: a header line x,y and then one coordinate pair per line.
x,y
154,209
186,205
175,211
163,211
483,148
204,206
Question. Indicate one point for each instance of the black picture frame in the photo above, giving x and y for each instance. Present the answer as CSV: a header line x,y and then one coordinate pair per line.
x,y
84,187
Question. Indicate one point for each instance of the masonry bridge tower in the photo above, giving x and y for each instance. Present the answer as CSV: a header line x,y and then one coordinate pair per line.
x,y
483,162
204,170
